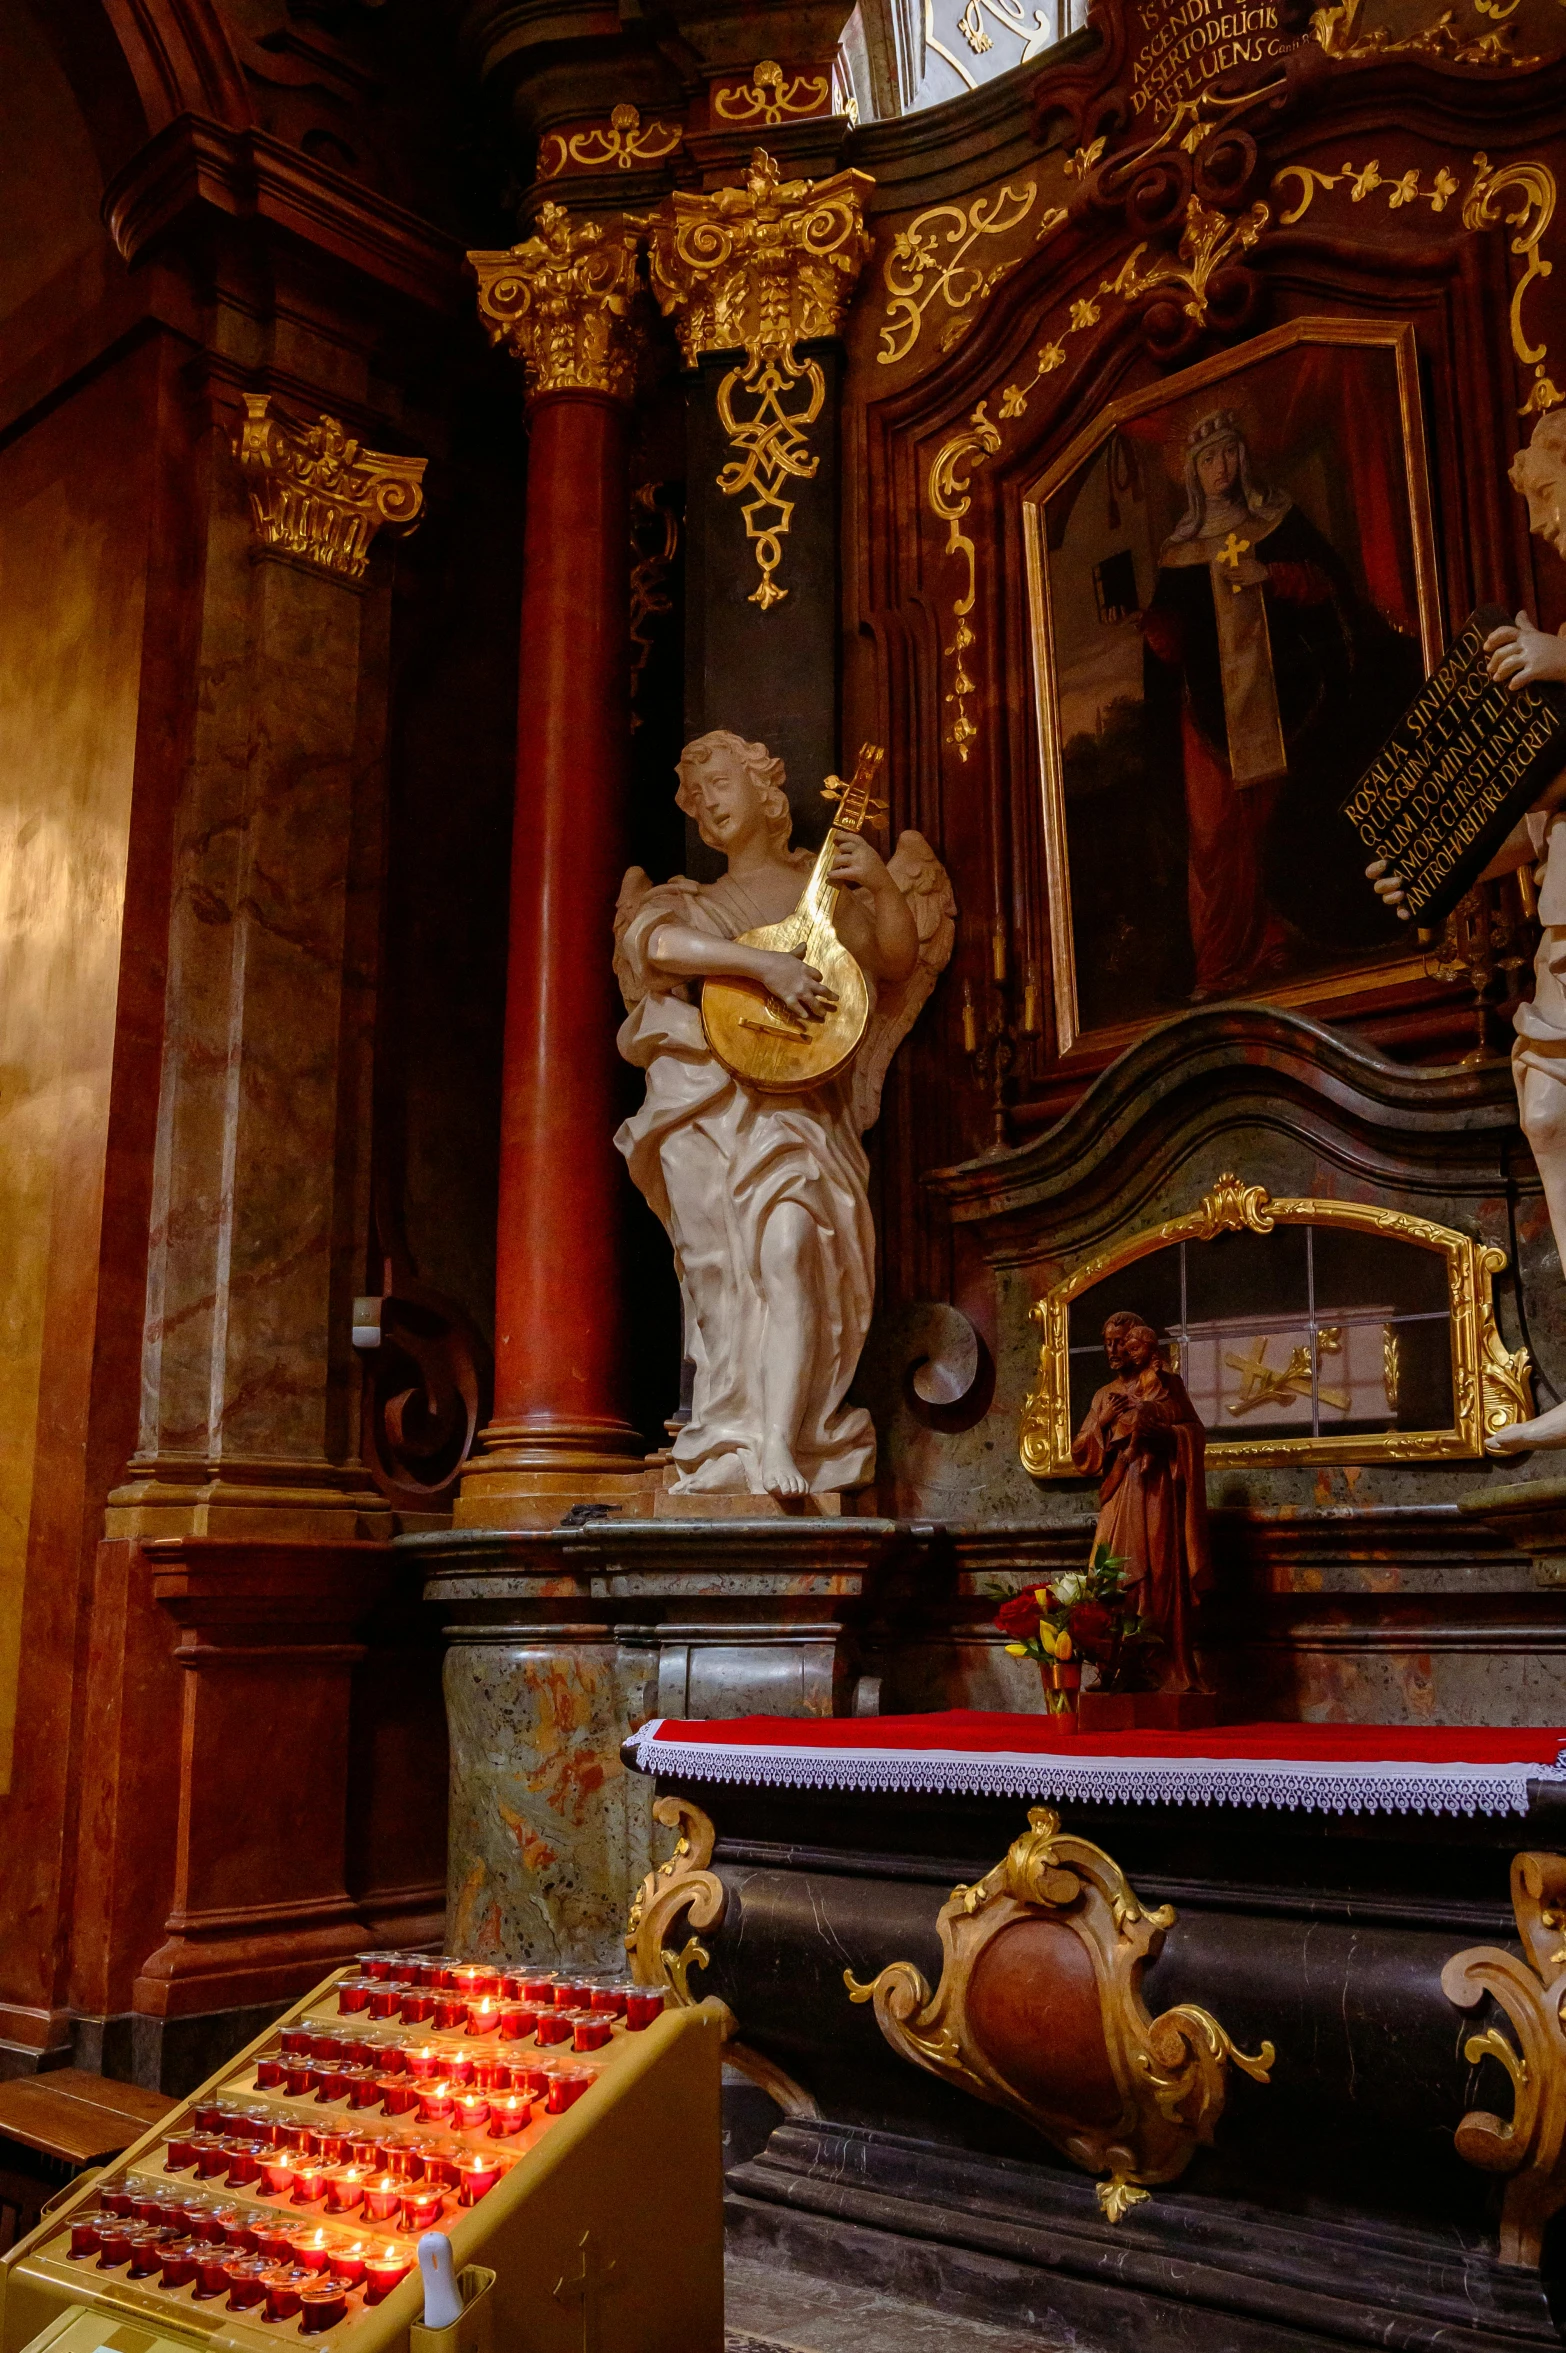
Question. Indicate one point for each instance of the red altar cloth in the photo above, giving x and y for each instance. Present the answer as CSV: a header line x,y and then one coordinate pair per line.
x,y
962,1752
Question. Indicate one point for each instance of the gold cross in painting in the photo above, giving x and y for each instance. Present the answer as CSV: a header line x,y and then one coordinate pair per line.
x,y
594,2280
1262,1383
1233,548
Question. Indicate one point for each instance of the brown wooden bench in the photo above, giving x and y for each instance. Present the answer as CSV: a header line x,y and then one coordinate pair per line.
x,y
53,2125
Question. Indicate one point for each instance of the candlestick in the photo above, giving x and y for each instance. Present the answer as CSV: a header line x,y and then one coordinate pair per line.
x,y
536,2078
179,2151
385,2001
277,2241
508,2115
406,2159
571,1993
970,1021
430,1973
1032,1025
382,2273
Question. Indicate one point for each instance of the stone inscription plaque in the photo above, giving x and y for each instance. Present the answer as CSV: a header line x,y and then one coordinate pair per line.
x,y
1462,764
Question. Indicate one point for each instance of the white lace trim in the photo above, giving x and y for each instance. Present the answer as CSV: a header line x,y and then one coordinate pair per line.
x,y
1332,1788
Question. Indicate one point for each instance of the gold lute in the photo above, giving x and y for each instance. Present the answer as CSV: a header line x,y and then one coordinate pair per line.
x,y
751,1032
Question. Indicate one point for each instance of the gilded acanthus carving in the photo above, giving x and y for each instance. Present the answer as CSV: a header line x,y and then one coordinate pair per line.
x,y
1057,1930
1531,2146
762,269
318,494
561,302
930,258
681,1886
621,143
771,96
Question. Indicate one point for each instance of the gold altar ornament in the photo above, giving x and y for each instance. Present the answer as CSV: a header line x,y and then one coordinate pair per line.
x,y
746,1027
1057,1930
771,97
762,269
934,247
1491,1384
625,141
319,495
1531,2146
561,303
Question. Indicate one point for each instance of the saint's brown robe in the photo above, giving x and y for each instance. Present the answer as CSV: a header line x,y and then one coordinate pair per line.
x,y
1152,1504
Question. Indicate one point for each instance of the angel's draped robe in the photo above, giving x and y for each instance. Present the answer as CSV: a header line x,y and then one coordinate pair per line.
x,y
1152,1505
715,1162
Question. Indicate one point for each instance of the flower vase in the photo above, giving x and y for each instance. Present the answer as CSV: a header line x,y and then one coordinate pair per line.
x,y
1061,1685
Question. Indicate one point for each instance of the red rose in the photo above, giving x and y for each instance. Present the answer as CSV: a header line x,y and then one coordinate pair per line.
x,y
1093,1630
1018,1619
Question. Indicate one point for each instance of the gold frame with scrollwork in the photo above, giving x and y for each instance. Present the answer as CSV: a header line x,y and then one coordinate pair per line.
x,y
1491,1384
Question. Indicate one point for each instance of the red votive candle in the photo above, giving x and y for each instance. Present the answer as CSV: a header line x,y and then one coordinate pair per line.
x,y
476,2177
364,2091
385,2001
211,2159
296,2042
300,2076
390,2058
85,2235
212,2115
483,2014
147,2206
206,2223
643,2003
535,2079
473,1977
508,2115
276,2241
405,2159
554,2026
212,2271
516,2020
383,2196
382,2273
270,2073
282,2293
114,2246
179,2150
334,2148
360,2051
244,2283
121,2200
238,2231
353,1996
437,2103
399,2095
424,2060
179,2263
566,2088
303,2139
440,2164
472,2111
591,2031
326,2045
244,2163
377,1965
313,2250
451,2011
461,2067
366,2150
331,2081
277,2172
417,2006
309,2182
345,2189
348,2267
571,1993
429,1973
607,1997
537,1985
421,2209
491,2074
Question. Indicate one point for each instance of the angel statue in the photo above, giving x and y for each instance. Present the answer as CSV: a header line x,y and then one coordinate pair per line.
x,y
763,1191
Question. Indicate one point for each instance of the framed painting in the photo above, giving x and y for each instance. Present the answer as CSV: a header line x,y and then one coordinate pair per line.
x,y
1233,598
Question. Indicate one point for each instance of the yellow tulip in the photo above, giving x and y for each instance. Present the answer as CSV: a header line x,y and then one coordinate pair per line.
x,y
1049,1638
1041,1596
1016,1650
1062,1648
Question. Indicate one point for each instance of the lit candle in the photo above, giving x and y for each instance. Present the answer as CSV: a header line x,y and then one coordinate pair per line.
x,y
321,2307
313,2251
423,2060
278,2174
348,2265
483,2015
591,2033
566,2088
998,949
383,2196
309,2182
970,1021
515,2021
461,2067
1031,1023
472,2111
383,2271
476,2177
436,2102
421,2209
643,2003
509,2114
345,2189
471,1978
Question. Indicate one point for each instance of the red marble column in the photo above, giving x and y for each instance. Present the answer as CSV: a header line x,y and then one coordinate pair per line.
x,y
559,1433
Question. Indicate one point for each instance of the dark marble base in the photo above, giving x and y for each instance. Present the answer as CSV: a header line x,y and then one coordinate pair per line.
x,y
994,2239
170,2055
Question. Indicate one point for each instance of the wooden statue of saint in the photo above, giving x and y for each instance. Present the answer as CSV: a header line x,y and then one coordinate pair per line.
x,y
1141,1439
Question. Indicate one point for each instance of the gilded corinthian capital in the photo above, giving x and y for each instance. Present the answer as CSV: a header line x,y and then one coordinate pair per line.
x,y
760,268
561,303
320,496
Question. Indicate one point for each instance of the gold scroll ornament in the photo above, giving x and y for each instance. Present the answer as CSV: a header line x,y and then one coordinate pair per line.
x,y
561,303
1530,2147
320,496
771,97
762,269
1133,2103
1491,1384
621,143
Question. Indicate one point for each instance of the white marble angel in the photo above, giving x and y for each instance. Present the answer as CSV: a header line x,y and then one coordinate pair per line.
x,y
764,1195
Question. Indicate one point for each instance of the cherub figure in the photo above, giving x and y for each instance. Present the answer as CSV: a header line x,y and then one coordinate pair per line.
x,y
1522,655
764,1195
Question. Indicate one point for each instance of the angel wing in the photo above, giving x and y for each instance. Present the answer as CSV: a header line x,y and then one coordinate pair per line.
x,y
925,884
633,889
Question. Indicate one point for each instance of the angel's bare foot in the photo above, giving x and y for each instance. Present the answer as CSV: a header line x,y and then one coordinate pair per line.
x,y
780,1473
1547,1429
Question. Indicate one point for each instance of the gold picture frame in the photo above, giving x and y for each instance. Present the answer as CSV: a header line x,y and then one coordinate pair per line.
x,y
1413,541
1491,1384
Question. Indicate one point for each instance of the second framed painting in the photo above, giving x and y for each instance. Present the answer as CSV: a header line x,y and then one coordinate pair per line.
x,y
1233,598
